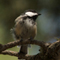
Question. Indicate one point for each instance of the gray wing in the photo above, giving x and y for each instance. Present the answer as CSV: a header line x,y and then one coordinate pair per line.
x,y
13,29
16,31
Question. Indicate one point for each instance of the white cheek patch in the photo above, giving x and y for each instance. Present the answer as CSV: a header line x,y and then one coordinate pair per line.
x,y
31,14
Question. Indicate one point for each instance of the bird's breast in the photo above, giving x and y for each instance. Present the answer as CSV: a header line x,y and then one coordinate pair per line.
x,y
26,30
30,29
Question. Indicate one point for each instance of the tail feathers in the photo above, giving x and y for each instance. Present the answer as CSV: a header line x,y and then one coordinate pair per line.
x,y
24,49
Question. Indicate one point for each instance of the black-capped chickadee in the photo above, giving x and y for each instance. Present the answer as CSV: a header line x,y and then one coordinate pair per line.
x,y
25,27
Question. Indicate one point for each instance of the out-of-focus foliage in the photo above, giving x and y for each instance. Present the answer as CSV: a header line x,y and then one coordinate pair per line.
x,y
48,24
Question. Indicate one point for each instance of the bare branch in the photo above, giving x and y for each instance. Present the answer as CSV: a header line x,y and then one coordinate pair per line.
x,y
15,43
21,56
49,51
7,52
53,51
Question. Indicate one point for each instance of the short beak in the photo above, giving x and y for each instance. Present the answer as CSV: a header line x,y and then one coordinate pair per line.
x,y
39,14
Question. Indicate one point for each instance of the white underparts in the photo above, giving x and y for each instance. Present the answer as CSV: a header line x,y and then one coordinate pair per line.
x,y
28,23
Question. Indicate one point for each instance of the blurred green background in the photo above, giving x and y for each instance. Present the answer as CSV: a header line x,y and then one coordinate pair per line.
x,y
48,24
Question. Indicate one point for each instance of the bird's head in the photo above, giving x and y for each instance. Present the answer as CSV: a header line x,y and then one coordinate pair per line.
x,y
32,14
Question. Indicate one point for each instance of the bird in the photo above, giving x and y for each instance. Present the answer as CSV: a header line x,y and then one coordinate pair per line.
x,y
25,28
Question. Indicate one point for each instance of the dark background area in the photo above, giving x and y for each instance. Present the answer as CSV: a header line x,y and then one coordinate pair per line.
x,y
48,24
